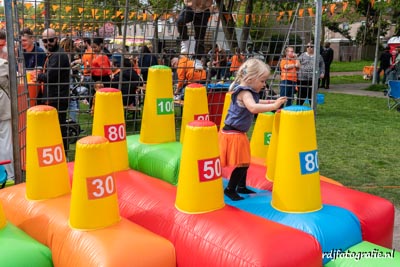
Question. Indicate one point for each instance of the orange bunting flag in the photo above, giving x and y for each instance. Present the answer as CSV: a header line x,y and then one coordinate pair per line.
x,y
247,19
41,6
332,8
68,9
28,5
301,12
253,18
144,16
80,9
345,4
55,7
290,13
357,2
372,3
154,16
94,12
132,15
227,17
311,12
281,13
118,13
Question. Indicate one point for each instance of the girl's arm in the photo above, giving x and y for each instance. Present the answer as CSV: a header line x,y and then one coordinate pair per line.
x,y
247,98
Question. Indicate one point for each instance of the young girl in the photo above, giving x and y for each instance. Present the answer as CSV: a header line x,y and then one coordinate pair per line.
x,y
233,142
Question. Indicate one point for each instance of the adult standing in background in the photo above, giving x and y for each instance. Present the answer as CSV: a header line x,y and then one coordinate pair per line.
x,y
55,78
289,66
3,45
6,144
34,55
327,55
306,72
198,12
146,60
100,67
384,64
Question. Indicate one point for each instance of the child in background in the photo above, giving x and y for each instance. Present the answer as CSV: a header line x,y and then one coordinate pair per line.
x,y
236,61
233,142
98,85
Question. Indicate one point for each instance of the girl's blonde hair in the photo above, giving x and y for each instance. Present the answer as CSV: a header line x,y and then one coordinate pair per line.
x,y
251,69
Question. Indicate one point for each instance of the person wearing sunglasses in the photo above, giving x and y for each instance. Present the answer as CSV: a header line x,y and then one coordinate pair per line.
x,y
306,72
55,77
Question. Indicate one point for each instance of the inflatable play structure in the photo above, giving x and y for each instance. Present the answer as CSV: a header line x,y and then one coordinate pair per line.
x,y
148,200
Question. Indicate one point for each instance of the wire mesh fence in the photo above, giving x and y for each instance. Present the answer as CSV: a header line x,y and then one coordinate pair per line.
x,y
134,35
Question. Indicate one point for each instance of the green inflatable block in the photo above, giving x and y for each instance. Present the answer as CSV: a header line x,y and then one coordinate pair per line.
x,y
364,254
161,161
20,250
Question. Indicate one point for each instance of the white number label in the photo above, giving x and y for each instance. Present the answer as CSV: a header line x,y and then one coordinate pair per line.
x,y
50,155
100,187
209,169
115,133
309,162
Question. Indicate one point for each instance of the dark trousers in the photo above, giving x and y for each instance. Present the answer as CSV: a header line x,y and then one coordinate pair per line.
x,y
62,107
378,78
200,21
327,76
305,91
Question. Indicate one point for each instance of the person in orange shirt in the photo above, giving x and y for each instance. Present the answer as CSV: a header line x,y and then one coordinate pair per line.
x,y
87,57
187,74
289,66
101,65
236,61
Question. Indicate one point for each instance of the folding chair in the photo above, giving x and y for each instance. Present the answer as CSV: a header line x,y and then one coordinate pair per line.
x,y
393,94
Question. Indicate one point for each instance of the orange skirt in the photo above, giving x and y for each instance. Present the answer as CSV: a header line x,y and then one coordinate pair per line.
x,y
234,148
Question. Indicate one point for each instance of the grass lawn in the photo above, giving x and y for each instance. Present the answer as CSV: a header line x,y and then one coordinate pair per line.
x,y
357,136
342,66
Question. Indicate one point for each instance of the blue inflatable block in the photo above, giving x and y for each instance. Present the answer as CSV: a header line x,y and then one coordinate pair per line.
x,y
334,227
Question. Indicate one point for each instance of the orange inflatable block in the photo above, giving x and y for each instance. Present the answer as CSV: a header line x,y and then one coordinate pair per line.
x,y
123,244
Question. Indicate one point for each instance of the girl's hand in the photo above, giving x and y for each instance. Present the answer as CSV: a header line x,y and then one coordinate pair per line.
x,y
280,101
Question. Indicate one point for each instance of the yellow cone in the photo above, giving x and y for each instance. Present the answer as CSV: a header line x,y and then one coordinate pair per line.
x,y
3,221
200,184
273,146
158,120
46,166
94,202
260,139
196,107
227,103
109,122
297,183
